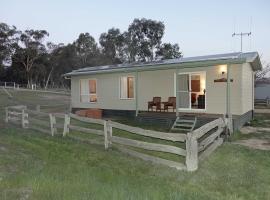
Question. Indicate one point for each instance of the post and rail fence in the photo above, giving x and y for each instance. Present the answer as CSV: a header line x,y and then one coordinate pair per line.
x,y
195,145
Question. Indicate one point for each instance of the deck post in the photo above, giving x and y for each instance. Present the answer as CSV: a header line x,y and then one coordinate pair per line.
x,y
228,101
176,92
136,93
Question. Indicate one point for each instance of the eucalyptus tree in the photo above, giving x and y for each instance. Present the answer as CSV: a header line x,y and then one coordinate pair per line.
x,y
168,51
86,49
143,38
8,39
29,48
112,46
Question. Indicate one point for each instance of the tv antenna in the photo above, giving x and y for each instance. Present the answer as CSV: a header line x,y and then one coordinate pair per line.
x,y
241,36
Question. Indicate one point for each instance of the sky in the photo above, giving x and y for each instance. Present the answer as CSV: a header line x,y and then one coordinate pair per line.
x,y
199,27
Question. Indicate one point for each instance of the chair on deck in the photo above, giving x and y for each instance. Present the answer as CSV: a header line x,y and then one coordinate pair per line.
x,y
156,102
170,103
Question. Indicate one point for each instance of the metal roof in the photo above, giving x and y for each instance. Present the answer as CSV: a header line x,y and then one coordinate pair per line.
x,y
237,57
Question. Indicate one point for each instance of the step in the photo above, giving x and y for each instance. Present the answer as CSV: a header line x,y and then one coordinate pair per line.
x,y
180,129
183,125
185,121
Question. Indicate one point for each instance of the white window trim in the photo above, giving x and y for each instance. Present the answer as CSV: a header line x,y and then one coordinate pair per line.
x,y
121,98
190,108
88,79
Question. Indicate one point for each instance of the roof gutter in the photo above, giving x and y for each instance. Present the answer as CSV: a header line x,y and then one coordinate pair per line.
x,y
161,67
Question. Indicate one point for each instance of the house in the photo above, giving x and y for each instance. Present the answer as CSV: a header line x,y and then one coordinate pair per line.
x,y
199,84
262,89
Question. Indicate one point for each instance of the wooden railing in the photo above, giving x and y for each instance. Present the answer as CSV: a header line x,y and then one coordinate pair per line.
x,y
68,126
32,119
111,139
262,102
196,145
203,141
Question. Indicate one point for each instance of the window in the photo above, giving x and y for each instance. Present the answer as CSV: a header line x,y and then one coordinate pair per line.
x,y
88,90
127,87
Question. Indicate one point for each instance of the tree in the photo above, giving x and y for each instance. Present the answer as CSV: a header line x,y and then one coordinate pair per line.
x,y
168,51
86,48
262,75
112,44
25,58
143,38
29,50
7,41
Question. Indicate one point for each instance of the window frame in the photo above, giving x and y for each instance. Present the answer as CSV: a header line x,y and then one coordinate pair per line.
x,y
134,85
89,94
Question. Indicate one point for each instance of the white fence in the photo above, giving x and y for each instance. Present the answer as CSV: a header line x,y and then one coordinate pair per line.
x,y
196,145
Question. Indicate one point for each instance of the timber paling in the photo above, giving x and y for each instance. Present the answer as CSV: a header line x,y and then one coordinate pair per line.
x,y
199,143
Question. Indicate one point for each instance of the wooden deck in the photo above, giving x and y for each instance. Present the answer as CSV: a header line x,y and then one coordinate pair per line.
x,y
167,118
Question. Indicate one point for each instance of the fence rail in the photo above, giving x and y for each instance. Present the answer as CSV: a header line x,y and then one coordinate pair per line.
x,y
32,119
262,102
198,143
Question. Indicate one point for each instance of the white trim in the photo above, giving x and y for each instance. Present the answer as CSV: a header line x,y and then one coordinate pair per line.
x,y
190,107
119,90
174,84
91,102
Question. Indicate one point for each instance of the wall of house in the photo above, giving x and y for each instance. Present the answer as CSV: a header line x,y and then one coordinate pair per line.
x,y
216,91
247,88
162,83
108,92
154,83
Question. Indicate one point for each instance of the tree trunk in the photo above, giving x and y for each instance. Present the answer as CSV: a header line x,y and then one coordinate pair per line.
x,y
28,80
48,79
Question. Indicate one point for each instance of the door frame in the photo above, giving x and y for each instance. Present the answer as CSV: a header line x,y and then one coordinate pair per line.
x,y
177,92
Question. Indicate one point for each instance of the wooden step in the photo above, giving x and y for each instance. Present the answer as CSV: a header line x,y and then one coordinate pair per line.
x,y
180,129
183,125
185,121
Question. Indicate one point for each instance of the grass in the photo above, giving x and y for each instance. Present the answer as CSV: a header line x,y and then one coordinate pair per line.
x,y
261,120
37,166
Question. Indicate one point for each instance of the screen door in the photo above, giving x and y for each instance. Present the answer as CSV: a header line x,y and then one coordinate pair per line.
x,y
183,91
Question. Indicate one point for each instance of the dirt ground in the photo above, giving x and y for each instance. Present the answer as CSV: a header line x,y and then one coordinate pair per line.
x,y
261,143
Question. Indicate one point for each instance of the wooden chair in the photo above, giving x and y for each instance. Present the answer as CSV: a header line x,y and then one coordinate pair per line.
x,y
193,98
170,103
156,102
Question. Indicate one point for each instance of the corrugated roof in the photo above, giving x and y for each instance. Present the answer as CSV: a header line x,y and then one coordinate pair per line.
x,y
251,57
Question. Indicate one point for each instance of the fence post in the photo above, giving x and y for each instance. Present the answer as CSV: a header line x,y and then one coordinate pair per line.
x,y
109,132
5,84
192,152
14,85
6,118
106,141
53,123
38,108
66,125
25,121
